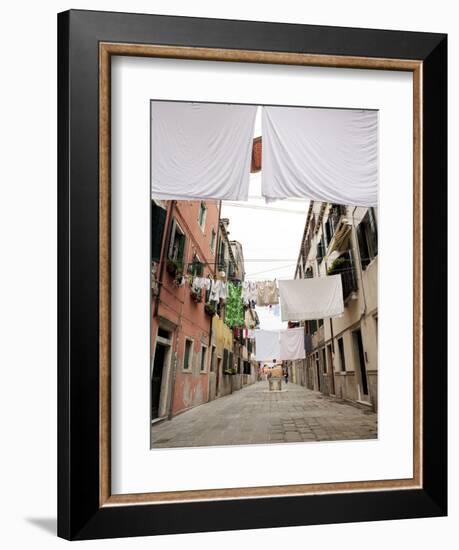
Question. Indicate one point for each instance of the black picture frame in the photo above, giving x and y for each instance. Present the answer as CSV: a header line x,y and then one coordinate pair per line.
x,y
80,515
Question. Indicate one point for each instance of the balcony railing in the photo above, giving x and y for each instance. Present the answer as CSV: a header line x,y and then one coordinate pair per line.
x,y
337,211
344,266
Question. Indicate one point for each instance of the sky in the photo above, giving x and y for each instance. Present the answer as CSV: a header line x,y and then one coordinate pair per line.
x,y
270,235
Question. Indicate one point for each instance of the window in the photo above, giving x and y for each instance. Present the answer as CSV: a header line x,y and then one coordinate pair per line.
x,y
342,359
202,215
188,355
246,367
239,365
212,359
324,361
203,358
320,253
196,267
213,236
328,231
158,220
225,359
230,360
176,243
367,236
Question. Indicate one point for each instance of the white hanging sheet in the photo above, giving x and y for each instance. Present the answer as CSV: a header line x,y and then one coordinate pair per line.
x,y
326,155
309,299
291,344
201,150
267,345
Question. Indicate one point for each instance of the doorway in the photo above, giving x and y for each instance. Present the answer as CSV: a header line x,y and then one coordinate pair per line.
x,y
360,357
157,379
160,374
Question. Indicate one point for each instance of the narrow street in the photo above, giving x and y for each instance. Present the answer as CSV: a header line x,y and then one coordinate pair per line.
x,y
255,415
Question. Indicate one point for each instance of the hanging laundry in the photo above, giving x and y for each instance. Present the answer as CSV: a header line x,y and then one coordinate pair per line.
x,y
267,293
223,294
276,310
328,155
214,295
234,311
267,346
309,299
291,344
282,345
253,293
246,293
201,150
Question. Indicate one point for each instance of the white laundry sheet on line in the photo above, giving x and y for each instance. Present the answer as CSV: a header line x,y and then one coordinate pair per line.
x,y
267,345
291,344
281,345
309,299
328,155
201,150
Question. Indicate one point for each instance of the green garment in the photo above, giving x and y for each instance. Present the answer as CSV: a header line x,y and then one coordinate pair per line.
x,y
234,310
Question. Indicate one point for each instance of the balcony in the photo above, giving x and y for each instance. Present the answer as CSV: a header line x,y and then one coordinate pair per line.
x,y
336,212
344,265
340,228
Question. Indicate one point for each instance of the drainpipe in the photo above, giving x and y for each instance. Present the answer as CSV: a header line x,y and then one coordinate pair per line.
x,y
332,376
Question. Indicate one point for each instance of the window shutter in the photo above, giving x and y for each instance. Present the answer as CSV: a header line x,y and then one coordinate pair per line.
x,y
158,221
171,240
363,249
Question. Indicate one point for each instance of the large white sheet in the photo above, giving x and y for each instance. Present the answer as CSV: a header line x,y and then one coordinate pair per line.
x,y
201,150
281,345
291,344
320,154
308,299
267,345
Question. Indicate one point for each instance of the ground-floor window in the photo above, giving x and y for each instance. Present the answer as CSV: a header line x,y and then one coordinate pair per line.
x,y
203,358
212,359
188,355
342,358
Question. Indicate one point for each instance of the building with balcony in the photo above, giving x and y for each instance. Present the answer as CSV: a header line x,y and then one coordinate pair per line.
x,y
232,365
183,243
342,353
195,356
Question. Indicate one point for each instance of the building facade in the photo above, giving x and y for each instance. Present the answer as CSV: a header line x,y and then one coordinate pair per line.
x,y
233,366
342,353
181,326
195,356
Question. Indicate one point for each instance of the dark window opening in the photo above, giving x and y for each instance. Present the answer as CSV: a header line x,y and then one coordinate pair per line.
x,y
187,355
367,236
342,358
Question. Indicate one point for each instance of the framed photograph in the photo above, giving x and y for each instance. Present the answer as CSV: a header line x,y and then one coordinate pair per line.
x,y
250,332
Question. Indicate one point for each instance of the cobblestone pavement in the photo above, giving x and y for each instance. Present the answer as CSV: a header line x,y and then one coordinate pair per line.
x,y
255,415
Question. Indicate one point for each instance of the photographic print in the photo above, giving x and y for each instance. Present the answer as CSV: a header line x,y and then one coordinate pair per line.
x,y
264,274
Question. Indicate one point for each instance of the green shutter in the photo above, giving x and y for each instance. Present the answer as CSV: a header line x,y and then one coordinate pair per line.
x,y
158,220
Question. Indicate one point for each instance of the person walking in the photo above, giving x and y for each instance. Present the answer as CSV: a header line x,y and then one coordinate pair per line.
x,y
286,374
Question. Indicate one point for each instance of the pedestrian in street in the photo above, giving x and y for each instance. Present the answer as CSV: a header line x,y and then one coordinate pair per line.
x,y
286,375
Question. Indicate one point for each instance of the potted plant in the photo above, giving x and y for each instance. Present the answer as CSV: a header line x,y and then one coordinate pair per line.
x,y
230,371
172,268
209,308
196,295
